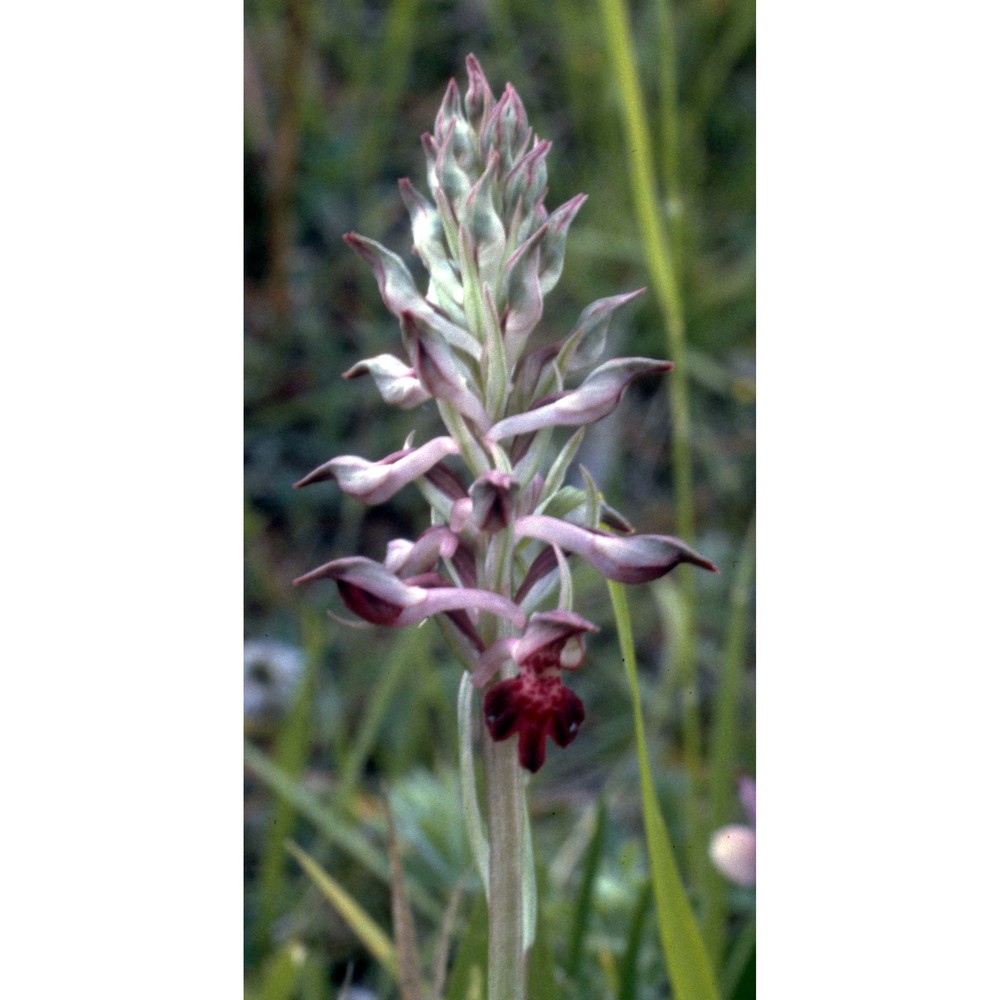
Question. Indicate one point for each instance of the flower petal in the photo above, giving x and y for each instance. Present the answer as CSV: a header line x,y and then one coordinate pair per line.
x,y
396,381
524,295
375,482
628,559
399,292
542,566
405,558
442,599
585,344
534,709
368,588
479,99
431,245
547,635
554,244
493,496
440,370
491,660
598,395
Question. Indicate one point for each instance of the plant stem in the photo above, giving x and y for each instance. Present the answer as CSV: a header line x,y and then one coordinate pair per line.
x,y
507,974
505,819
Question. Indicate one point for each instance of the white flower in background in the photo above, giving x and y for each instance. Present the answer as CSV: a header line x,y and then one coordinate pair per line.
x,y
271,672
733,848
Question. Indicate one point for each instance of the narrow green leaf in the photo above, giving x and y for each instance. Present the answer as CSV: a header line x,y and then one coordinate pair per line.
x,y
592,512
584,904
282,973
291,752
404,930
469,970
478,844
739,972
327,821
354,915
407,649
557,471
684,950
660,240
542,982
722,779
386,68
629,968
440,968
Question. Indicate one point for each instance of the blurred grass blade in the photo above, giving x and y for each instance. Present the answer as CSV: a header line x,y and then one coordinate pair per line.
x,y
660,256
369,933
629,970
469,970
478,844
282,973
683,948
404,931
581,916
291,751
440,971
313,808
529,883
722,778
386,73
607,963
665,271
407,649
741,963
542,983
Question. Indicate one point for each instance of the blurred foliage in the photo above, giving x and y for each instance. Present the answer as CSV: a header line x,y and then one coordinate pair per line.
x,y
337,96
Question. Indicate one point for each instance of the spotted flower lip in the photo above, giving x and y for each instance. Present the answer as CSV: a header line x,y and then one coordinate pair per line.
x,y
375,482
535,704
535,710
598,395
378,596
626,559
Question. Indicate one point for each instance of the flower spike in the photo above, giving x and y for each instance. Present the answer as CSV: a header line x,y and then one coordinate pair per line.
x,y
506,524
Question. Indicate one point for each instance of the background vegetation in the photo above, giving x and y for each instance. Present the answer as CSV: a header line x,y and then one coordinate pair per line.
x,y
337,95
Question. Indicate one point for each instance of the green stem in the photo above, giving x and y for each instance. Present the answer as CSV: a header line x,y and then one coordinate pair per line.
x,y
665,271
506,812
507,972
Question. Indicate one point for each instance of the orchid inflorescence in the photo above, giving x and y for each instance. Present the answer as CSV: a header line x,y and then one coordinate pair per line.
x,y
501,531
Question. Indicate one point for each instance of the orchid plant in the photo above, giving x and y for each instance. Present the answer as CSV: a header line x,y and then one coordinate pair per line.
x,y
493,566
